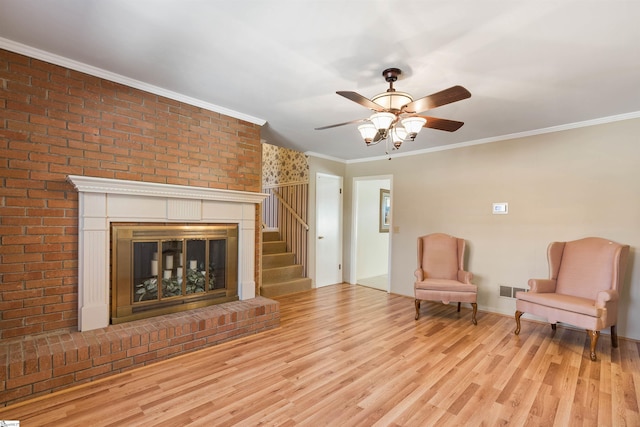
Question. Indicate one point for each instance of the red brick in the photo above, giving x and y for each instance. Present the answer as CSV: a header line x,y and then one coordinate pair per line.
x,y
71,367
11,268
142,359
158,345
92,372
28,379
53,308
21,331
44,319
20,313
17,394
169,351
53,383
122,364
192,345
45,362
108,358
8,305
137,350
62,324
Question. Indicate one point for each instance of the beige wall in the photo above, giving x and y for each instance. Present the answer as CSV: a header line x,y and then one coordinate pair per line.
x,y
559,186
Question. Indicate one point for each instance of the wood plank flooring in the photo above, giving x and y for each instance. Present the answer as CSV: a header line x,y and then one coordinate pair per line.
x,y
353,356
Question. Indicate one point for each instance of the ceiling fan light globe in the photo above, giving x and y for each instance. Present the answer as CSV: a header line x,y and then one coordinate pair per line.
x,y
413,125
392,101
382,121
368,131
399,133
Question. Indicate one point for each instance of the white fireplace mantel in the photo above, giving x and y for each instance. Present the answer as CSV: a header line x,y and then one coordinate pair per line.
x,y
102,201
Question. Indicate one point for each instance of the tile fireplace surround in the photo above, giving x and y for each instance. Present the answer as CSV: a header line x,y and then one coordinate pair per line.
x,y
102,201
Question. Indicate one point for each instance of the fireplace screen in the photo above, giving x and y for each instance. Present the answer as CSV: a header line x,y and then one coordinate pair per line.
x,y
158,269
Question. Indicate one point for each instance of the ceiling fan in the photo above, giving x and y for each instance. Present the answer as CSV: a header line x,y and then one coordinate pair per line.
x,y
396,115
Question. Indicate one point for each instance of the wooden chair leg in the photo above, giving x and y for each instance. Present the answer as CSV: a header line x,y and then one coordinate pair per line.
x,y
417,303
518,314
458,307
614,336
594,341
553,326
475,310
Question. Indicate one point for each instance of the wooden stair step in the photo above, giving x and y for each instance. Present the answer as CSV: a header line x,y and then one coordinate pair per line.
x,y
281,274
270,236
274,247
285,288
278,260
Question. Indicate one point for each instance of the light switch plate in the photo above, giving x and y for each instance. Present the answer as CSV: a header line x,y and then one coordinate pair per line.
x,y
500,208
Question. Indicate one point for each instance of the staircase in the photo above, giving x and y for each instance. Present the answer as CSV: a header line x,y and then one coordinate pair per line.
x,y
280,274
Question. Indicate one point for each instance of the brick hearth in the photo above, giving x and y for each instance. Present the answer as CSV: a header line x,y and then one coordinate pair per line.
x,y
40,364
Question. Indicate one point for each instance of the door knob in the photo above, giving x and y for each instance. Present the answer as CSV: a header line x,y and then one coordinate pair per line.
x,y
320,237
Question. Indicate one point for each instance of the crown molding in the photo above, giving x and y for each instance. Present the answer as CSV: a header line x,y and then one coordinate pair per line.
x,y
542,131
324,156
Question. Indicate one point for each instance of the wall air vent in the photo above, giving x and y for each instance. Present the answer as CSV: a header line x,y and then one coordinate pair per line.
x,y
510,292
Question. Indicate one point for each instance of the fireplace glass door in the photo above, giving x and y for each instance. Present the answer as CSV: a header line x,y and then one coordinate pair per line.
x,y
161,269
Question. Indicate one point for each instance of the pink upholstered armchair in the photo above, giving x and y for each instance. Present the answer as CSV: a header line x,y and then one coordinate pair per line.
x,y
440,275
583,290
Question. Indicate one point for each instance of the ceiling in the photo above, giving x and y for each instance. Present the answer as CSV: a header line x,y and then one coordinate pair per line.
x,y
530,65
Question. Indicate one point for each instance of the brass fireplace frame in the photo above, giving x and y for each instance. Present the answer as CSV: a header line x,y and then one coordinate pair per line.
x,y
124,308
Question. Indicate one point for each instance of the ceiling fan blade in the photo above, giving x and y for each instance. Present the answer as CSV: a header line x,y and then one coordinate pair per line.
x,y
341,124
365,102
442,124
447,96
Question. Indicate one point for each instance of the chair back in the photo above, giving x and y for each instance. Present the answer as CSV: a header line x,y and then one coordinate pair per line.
x,y
440,255
588,266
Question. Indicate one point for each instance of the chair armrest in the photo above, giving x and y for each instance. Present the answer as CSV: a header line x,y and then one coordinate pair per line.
x,y
542,285
604,296
419,275
464,276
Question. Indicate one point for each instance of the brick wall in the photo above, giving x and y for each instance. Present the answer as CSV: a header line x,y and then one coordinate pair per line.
x,y
56,122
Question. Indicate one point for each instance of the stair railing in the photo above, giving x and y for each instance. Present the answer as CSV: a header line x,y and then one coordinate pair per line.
x,y
286,209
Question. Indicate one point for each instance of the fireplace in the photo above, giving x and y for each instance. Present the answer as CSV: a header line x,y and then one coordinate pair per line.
x,y
160,269
105,202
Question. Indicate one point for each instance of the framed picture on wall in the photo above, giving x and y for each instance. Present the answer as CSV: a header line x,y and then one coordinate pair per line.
x,y
385,210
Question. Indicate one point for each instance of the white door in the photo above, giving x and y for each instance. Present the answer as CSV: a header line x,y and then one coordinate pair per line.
x,y
328,229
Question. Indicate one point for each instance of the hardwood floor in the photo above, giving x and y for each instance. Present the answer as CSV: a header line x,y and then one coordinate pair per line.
x,y
350,355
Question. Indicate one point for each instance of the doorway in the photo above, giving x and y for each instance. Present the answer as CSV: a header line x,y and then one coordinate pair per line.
x,y
328,229
371,236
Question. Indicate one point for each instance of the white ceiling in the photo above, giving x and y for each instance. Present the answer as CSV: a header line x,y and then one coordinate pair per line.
x,y
530,64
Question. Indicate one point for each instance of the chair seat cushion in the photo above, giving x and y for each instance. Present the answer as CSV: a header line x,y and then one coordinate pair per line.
x,y
445,285
572,303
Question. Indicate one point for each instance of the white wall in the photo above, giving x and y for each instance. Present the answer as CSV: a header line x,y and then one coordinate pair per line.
x,y
559,186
